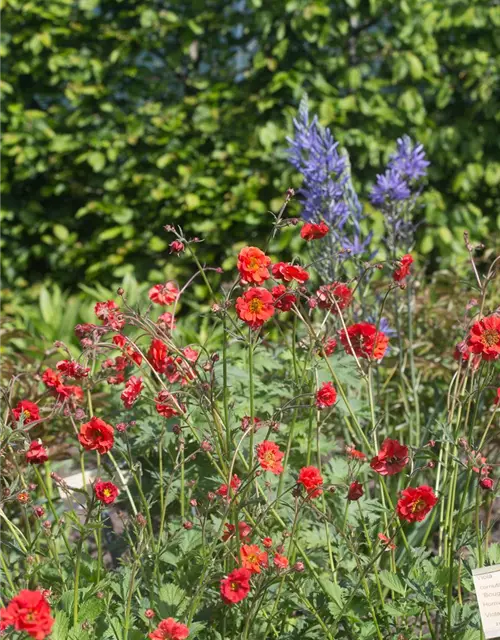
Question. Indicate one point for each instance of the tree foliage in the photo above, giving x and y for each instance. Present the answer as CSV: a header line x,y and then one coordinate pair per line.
x,y
121,116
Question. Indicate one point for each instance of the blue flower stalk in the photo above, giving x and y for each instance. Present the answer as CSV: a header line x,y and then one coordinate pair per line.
x,y
395,192
327,192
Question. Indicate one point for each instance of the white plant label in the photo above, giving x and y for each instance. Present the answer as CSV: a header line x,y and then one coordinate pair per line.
x,y
487,584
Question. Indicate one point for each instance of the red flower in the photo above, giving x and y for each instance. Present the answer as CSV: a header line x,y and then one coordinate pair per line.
x,y
484,337
364,340
403,268
163,294
353,453
255,307
132,391
134,355
252,265
252,558
270,457
280,562
51,379
355,491
415,503
283,298
223,489
486,484
326,396
106,492
54,381
37,453
176,246
236,586
26,410
392,458
462,352
96,435
288,272
312,231
386,542
166,321
311,479
497,398
329,346
335,296
157,355
166,405
110,314
169,629
267,542
30,612
72,369
244,530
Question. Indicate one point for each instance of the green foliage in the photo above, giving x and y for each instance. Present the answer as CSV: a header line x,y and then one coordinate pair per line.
x,y
120,117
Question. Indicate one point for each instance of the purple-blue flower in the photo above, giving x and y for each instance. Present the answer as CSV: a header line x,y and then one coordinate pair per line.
x,y
409,160
390,186
327,191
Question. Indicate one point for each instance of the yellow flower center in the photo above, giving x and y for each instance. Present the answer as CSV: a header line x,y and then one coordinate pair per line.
x,y
26,413
107,493
490,337
255,305
418,506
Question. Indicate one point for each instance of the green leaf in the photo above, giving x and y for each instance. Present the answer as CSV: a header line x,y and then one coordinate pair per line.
x,y
96,160
61,626
392,581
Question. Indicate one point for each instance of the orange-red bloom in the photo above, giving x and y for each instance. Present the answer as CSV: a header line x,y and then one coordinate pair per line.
x,y
311,479
110,314
311,231
335,296
364,340
415,503
353,453
166,405
37,453
236,586
244,531
280,562
255,307
484,337
169,629
106,492
403,268
29,612
96,435
252,558
326,395
132,391
27,411
252,265
288,272
270,457
163,294
223,490
391,459
157,355
497,397
283,297
386,542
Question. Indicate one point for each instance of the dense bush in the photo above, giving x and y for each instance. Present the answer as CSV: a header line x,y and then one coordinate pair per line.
x,y
117,115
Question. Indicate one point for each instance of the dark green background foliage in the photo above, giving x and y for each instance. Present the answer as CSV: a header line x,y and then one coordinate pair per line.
x,y
122,116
